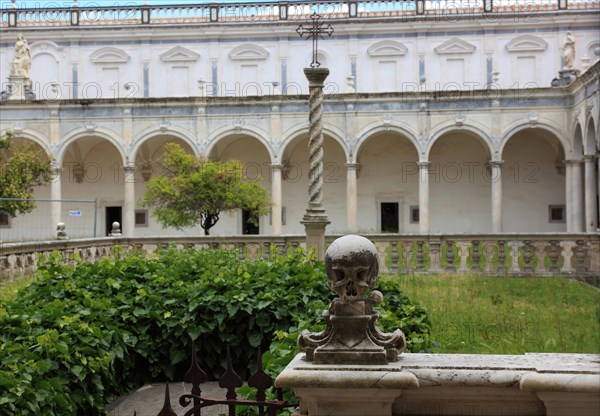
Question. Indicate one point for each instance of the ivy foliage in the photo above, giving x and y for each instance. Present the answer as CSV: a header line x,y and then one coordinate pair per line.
x,y
83,334
21,168
193,191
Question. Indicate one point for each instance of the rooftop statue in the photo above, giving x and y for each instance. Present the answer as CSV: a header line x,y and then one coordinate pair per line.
x,y
21,63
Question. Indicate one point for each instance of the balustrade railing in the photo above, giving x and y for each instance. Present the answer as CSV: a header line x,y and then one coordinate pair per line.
x,y
275,11
538,254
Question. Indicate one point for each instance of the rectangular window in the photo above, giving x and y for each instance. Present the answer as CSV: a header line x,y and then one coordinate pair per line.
x,y
556,214
414,214
141,217
5,220
390,218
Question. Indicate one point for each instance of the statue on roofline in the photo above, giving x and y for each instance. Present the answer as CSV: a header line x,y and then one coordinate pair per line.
x,y
21,63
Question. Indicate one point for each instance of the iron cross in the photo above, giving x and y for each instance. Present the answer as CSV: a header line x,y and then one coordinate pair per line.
x,y
315,31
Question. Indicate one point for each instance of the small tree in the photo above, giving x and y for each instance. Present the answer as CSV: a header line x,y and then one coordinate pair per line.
x,y
195,191
20,170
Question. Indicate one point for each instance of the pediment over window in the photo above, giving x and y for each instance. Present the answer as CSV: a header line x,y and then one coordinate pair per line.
x,y
46,47
455,46
527,43
248,52
387,48
110,55
179,54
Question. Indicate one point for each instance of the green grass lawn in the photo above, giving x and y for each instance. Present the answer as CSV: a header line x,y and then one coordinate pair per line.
x,y
505,315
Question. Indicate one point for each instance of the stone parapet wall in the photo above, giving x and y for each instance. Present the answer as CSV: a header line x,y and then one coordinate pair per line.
x,y
540,254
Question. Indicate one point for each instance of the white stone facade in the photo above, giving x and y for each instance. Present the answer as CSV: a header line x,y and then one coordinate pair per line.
x,y
437,124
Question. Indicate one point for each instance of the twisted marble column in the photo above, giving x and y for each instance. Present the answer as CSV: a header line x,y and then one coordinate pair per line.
x,y
315,220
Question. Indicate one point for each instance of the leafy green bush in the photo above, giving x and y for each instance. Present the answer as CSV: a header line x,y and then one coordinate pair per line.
x,y
82,334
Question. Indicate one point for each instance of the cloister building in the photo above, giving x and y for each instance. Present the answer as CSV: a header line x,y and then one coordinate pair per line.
x,y
440,117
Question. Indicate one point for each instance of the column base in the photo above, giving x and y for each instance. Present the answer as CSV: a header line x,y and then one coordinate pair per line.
x,y
315,221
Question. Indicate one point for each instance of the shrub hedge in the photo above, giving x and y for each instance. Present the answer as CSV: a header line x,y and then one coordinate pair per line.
x,y
83,334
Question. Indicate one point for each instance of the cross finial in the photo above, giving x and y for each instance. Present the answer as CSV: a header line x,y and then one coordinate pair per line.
x,y
315,31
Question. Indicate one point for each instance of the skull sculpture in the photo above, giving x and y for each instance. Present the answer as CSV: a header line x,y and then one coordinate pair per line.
x,y
352,266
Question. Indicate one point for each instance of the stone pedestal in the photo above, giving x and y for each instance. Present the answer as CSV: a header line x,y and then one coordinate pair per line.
x,y
19,88
315,222
458,384
565,77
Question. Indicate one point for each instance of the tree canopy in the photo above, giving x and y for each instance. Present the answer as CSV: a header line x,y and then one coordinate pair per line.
x,y
21,168
194,191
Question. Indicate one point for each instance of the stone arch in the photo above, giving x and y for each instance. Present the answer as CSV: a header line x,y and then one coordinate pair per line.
x,y
472,130
150,133
299,129
459,188
513,129
375,128
533,181
100,132
34,136
251,131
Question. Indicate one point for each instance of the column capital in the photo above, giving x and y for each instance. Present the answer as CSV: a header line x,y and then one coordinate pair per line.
x,y
129,167
589,158
352,165
424,164
55,167
498,163
316,76
276,166
573,162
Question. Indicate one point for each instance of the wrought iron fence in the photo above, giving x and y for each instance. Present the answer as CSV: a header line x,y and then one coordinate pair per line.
x,y
230,381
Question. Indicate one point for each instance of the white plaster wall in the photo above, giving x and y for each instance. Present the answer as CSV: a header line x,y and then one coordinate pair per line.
x,y
532,178
459,193
388,173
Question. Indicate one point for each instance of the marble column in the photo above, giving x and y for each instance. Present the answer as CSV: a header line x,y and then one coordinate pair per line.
x,y
496,179
56,196
569,194
315,220
351,197
577,207
424,197
276,221
590,194
128,226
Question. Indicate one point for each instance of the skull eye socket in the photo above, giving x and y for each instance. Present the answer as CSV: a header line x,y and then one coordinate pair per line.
x,y
339,275
361,275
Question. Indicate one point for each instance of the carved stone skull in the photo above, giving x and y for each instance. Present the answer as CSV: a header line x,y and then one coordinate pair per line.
x,y
352,266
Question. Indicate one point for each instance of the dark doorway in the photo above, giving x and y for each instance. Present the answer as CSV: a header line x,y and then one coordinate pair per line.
x,y
247,226
113,214
389,217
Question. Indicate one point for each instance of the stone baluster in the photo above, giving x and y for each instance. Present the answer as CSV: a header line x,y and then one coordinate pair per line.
x,y
241,250
476,267
5,267
553,251
540,252
214,245
435,248
567,254
281,248
267,252
580,251
394,257
502,256
450,256
463,252
420,256
488,252
407,246
528,257
514,253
